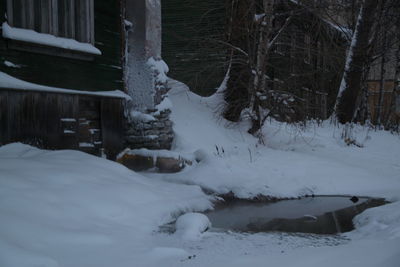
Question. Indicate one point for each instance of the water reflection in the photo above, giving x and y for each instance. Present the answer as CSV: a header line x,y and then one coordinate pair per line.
x,y
319,215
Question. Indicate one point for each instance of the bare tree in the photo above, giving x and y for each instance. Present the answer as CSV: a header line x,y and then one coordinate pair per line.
x,y
357,58
258,86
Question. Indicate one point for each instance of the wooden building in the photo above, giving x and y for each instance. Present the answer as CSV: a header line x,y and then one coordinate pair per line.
x,y
304,65
307,60
71,71
383,82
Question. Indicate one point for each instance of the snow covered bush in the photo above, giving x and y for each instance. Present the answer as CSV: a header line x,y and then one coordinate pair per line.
x,y
190,226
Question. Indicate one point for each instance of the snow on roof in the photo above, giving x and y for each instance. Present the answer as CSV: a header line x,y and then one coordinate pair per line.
x,y
9,82
32,36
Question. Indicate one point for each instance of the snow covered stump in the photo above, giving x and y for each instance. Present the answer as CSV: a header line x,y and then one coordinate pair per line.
x,y
191,226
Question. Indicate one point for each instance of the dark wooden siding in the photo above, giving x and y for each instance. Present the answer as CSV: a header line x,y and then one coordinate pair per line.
x,y
62,121
104,73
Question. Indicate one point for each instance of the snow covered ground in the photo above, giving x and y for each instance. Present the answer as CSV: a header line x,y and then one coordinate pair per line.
x,y
66,208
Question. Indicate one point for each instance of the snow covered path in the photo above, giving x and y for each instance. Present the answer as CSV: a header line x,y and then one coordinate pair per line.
x,y
70,209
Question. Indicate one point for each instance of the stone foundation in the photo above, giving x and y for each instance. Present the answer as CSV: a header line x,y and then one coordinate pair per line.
x,y
151,134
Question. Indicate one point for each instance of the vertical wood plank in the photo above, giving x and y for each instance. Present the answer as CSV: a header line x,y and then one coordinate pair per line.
x,y
81,16
23,12
54,17
38,15
17,14
52,119
45,15
4,137
29,14
62,15
112,126
10,15
91,21
13,117
71,19
87,22
77,16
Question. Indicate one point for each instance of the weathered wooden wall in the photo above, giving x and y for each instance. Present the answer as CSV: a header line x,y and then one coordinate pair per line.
x,y
373,99
104,73
62,121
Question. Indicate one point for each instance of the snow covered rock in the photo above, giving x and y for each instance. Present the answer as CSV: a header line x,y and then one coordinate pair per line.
x,y
163,160
190,226
136,162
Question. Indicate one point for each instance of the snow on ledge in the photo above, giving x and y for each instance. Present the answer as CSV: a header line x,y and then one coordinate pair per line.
x,y
31,36
9,82
160,68
165,105
157,154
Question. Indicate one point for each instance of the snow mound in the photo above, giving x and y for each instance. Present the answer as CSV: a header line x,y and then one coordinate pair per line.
x,y
190,226
68,208
377,220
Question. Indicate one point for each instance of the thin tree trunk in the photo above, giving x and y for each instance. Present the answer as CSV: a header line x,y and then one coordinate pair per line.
x,y
259,82
239,24
352,79
363,111
382,81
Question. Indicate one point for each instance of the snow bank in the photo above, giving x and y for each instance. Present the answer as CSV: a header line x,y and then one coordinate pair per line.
x,y
295,161
190,226
9,82
68,208
32,36
384,219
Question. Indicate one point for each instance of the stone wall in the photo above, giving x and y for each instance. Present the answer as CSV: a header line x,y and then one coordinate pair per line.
x,y
150,134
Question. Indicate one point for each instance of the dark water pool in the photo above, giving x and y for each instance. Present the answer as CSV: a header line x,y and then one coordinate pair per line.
x,y
319,215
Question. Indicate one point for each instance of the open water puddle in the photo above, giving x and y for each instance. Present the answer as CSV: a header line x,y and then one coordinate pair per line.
x,y
319,215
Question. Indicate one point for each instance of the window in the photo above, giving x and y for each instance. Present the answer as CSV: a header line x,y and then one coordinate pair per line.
x,y
73,19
